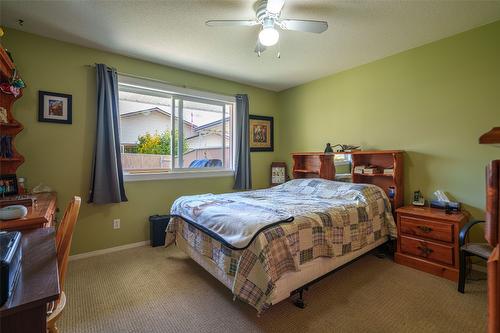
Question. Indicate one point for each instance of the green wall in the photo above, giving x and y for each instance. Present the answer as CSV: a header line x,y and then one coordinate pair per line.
x,y
433,101
60,155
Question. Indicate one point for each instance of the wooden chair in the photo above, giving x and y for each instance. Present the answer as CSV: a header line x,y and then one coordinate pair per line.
x,y
481,250
64,236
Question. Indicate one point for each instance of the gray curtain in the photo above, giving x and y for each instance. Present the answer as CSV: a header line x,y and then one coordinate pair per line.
x,y
107,178
243,175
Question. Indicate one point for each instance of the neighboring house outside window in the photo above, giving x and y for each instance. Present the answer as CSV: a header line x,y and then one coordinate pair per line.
x,y
153,140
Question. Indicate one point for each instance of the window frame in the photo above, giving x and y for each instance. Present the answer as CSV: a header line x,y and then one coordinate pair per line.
x,y
138,84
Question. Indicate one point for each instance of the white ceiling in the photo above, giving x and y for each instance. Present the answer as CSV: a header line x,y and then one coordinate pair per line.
x,y
173,32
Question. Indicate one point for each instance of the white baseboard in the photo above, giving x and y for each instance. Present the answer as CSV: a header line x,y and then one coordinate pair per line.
x,y
108,250
479,268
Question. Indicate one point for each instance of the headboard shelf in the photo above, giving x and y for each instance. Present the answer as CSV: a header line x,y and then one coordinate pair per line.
x,y
375,175
307,165
316,164
306,171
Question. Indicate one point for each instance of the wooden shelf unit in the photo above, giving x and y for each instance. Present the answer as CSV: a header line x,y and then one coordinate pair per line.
x,y
306,171
374,175
12,127
383,159
311,165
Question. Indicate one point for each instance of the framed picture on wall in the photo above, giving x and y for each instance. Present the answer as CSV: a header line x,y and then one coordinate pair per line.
x,y
261,132
54,107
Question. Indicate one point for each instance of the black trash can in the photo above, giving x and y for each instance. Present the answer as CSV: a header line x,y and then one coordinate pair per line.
x,y
157,226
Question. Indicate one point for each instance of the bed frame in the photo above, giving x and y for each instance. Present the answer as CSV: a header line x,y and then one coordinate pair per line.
x,y
295,283
381,248
317,164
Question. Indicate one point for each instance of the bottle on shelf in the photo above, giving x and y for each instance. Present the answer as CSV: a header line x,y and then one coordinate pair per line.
x,y
21,185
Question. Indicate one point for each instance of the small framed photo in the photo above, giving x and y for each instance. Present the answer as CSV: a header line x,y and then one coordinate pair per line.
x,y
54,107
261,130
8,185
279,174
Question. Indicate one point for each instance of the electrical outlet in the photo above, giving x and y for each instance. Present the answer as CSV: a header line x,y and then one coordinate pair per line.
x,y
116,224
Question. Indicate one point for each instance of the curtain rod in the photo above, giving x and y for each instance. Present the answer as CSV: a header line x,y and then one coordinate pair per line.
x,y
156,80
139,77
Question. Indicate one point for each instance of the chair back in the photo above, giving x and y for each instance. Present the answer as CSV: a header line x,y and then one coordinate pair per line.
x,y
64,236
491,229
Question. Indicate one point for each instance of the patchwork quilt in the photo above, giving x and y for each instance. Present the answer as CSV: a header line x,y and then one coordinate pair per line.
x,y
305,219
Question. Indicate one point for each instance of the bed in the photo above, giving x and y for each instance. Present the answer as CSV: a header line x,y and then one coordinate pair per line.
x,y
265,244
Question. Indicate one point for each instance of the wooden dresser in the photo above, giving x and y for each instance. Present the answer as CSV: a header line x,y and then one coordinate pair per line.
x,y
41,215
428,240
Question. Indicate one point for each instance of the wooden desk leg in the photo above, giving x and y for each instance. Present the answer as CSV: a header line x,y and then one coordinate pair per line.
x,y
32,320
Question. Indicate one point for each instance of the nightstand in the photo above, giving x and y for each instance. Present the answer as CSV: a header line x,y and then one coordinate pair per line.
x,y
428,240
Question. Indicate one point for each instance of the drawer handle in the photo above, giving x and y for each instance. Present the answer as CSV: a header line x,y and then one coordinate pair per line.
x,y
424,228
425,250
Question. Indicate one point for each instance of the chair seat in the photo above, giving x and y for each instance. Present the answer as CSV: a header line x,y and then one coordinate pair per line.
x,y
482,250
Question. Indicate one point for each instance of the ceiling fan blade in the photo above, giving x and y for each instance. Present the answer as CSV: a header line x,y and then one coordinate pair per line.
x,y
304,25
231,23
275,6
259,48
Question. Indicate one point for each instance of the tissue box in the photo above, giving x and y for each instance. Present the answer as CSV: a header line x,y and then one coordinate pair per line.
x,y
453,206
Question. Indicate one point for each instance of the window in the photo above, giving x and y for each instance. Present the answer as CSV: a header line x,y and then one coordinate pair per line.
x,y
170,132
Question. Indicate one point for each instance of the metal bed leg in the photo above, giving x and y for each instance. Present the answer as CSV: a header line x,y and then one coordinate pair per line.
x,y
386,250
299,302
380,254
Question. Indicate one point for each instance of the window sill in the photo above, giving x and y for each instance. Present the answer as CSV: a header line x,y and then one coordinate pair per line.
x,y
133,177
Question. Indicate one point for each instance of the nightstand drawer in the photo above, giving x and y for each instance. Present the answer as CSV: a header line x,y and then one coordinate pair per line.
x,y
428,250
426,228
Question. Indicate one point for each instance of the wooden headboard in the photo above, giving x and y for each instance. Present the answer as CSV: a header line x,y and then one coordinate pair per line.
x,y
313,164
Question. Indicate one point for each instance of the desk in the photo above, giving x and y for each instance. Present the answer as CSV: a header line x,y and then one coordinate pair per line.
x,y
40,215
26,310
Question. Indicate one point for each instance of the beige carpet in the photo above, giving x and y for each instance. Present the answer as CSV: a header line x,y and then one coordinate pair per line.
x,y
161,290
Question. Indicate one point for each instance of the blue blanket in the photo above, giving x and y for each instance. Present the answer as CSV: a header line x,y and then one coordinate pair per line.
x,y
235,219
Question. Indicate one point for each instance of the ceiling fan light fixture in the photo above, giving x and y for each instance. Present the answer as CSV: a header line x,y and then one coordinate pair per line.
x,y
268,15
268,36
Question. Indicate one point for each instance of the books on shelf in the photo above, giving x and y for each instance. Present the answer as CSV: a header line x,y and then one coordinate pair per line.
x,y
371,170
389,171
359,169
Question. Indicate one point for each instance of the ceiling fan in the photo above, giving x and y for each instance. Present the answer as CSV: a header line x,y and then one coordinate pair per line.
x,y
268,15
